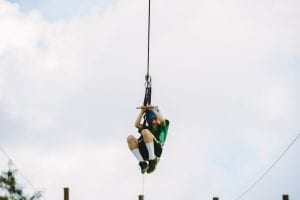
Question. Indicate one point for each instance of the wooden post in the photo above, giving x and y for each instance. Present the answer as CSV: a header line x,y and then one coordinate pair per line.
x,y
215,198
141,197
66,193
285,197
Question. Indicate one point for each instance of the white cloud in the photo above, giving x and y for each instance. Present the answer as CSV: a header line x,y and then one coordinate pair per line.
x,y
224,73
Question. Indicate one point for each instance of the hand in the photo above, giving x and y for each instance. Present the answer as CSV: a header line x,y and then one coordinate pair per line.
x,y
147,107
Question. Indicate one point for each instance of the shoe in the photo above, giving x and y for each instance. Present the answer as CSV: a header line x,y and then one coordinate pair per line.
x,y
144,166
152,165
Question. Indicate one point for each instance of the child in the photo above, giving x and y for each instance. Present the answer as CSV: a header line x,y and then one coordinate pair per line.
x,y
148,147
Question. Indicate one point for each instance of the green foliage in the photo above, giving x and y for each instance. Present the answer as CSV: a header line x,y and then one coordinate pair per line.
x,y
10,190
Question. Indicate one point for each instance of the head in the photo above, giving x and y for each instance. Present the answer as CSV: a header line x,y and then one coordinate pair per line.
x,y
152,119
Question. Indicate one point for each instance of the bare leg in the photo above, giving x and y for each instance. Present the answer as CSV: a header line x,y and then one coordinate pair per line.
x,y
148,138
132,142
134,147
149,141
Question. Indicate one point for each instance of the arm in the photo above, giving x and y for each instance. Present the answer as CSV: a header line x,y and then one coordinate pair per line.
x,y
139,119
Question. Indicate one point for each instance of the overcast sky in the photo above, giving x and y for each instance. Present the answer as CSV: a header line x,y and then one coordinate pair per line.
x,y
225,73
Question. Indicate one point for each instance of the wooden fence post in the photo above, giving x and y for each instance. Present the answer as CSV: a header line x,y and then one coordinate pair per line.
x,y
285,197
66,193
141,197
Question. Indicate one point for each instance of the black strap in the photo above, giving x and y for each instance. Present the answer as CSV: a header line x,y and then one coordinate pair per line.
x,y
147,98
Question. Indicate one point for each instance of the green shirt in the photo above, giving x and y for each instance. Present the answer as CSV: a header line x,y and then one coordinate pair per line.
x,y
160,132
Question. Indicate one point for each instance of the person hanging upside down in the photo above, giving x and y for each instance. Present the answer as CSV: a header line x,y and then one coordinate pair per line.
x,y
148,147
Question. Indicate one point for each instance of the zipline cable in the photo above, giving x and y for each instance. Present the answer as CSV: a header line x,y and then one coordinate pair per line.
x,y
148,91
20,172
148,54
269,169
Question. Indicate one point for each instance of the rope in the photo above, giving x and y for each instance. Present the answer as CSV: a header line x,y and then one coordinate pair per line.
x,y
148,91
269,169
143,185
148,55
20,172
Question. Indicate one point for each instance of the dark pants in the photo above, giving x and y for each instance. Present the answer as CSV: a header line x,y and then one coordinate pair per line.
x,y
144,151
